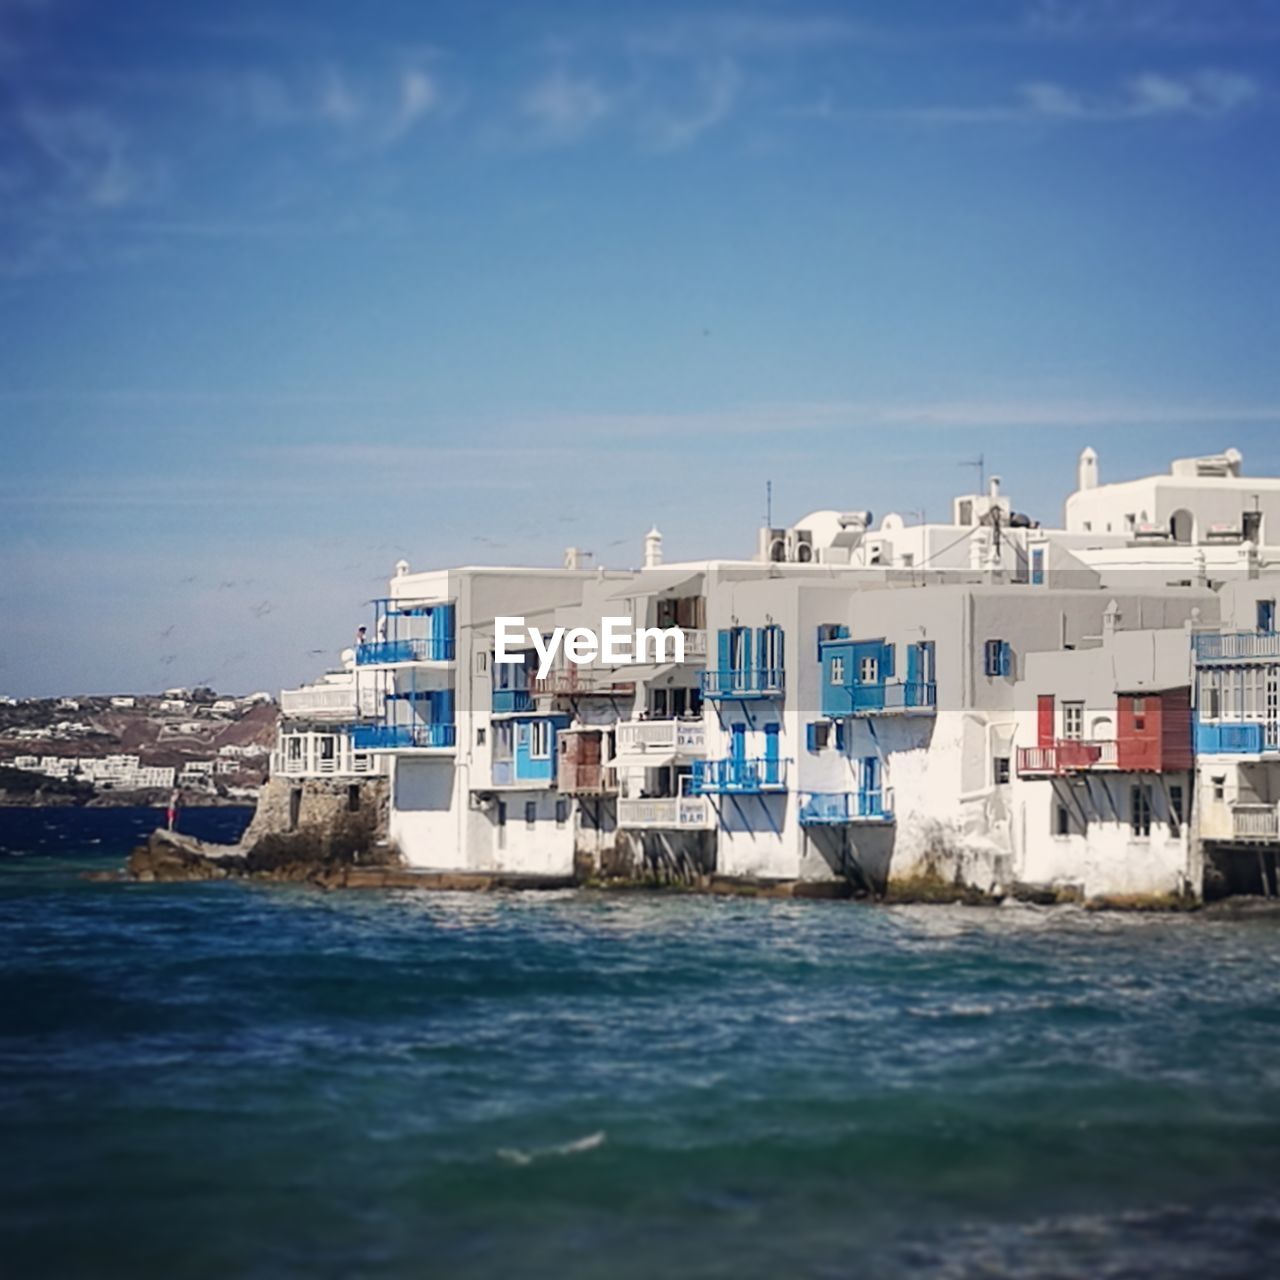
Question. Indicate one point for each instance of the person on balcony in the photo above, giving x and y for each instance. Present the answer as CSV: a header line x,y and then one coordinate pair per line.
x,y
362,634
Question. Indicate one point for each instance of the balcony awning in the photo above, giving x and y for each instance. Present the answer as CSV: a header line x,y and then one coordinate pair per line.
x,y
659,582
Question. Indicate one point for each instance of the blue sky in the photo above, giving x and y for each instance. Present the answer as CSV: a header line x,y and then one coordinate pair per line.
x,y
289,292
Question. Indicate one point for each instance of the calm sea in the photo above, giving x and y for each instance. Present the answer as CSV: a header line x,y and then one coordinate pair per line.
x,y
227,1081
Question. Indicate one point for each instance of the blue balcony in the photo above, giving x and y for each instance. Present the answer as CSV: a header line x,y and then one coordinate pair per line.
x,y
1236,646
419,649
757,682
511,701
1229,739
738,777
402,737
837,808
890,697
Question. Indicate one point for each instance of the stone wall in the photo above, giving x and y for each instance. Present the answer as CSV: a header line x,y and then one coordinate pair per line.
x,y
325,818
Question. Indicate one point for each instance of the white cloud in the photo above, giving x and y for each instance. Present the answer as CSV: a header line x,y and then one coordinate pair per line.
x,y
719,85
418,96
1207,95
90,152
338,102
563,108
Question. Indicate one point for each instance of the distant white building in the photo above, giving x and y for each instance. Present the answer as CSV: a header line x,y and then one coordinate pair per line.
x,y
124,702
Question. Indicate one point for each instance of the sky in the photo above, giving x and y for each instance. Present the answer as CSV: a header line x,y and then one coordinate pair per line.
x,y
290,292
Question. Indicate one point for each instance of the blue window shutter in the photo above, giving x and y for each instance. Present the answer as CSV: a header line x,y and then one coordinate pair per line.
x,y
1006,658
724,642
840,735
886,661
746,649
811,735
779,647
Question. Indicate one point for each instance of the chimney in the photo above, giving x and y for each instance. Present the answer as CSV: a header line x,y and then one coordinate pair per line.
x,y
1087,470
652,548
572,558
402,568
993,488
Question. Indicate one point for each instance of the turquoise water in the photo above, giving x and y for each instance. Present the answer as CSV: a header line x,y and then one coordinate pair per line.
x,y
221,1080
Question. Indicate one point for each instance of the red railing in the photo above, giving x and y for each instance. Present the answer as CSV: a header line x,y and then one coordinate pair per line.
x,y
1069,755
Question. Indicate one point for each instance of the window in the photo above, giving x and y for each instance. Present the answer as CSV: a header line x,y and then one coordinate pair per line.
x,y
480,737
1219,786
293,747
868,670
908,559
562,812
830,631
837,670
1212,702
818,735
1140,810
353,798
1175,809
1037,566
997,658
771,649
1073,720
540,739
839,735
1266,615
482,662
1001,770
1061,821
1139,714
530,814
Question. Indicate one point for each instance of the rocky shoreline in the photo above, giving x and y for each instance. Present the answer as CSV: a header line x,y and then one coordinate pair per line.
x,y
171,857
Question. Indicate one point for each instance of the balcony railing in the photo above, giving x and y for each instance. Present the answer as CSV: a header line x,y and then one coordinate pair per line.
x,y
758,682
888,697
419,649
662,737
582,682
400,737
1255,822
328,702
1234,646
836,808
507,701
503,773
1065,756
671,813
738,777
1229,739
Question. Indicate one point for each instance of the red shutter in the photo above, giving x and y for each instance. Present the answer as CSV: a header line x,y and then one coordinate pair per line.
x,y
1044,720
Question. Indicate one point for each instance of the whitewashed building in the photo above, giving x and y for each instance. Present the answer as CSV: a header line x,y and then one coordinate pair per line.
x,y
985,701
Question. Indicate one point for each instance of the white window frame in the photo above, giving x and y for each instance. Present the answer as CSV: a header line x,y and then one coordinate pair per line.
x,y
540,740
1073,721
868,669
837,669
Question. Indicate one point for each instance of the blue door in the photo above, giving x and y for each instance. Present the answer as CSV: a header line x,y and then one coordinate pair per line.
x,y
737,754
772,767
868,676
870,800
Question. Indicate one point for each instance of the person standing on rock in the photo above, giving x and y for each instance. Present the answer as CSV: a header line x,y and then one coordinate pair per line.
x,y
172,814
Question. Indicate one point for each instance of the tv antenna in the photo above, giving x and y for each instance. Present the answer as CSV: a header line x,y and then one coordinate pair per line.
x,y
768,504
980,462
